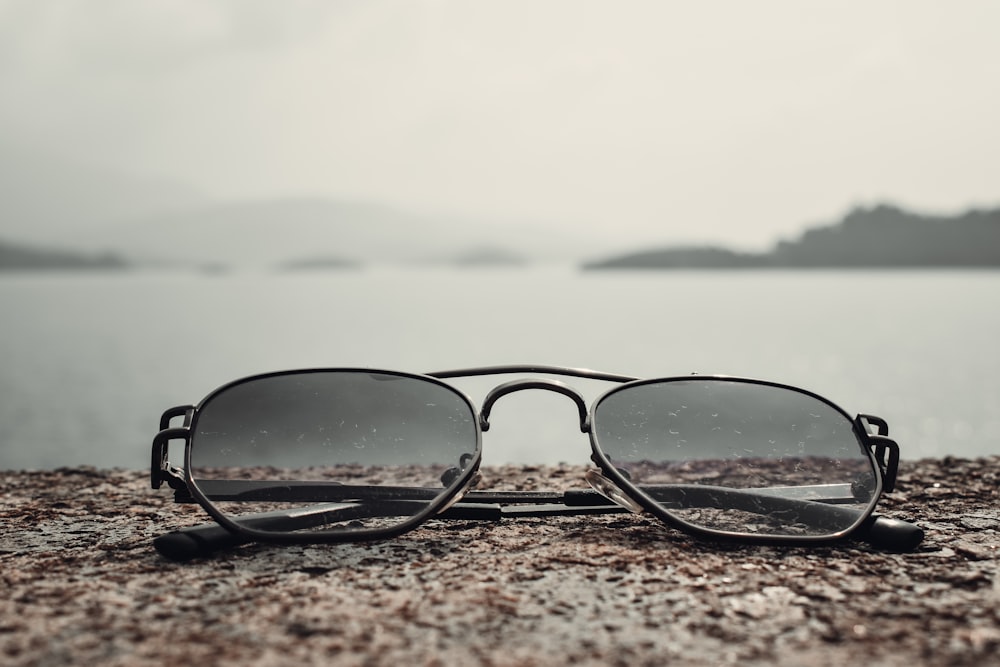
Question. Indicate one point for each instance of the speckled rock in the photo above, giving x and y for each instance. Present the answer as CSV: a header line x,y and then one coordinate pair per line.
x,y
83,585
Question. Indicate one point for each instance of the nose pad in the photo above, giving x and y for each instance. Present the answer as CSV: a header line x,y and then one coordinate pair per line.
x,y
473,481
449,476
610,490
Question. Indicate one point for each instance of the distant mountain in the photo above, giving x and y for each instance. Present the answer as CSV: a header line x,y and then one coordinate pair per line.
x,y
48,201
21,258
882,236
45,199
276,232
265,232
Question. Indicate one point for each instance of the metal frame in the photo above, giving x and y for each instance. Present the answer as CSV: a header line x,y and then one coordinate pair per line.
x,y
458,501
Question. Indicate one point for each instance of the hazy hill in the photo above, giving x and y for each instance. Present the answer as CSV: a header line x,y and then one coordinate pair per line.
x,y
49,202
878,237
264,232
45,199
282,231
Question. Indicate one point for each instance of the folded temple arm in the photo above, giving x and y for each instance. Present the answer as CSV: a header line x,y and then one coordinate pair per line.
x,y
816,506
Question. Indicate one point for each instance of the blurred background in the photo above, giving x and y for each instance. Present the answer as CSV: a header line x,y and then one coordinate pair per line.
x,y
192,192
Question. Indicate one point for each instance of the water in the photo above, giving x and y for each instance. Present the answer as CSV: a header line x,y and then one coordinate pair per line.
x,y
91,360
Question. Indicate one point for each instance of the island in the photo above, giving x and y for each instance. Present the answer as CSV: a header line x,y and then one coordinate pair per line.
x,y
17,257
882,236
320,264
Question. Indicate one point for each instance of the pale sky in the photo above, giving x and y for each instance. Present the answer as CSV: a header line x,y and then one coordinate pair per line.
x,y
735,122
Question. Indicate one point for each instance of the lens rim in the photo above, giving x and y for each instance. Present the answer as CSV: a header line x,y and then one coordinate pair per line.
x,y
449,495
650,505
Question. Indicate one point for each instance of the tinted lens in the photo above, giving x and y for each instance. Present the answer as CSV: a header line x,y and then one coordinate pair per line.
x,y
738,457
332,450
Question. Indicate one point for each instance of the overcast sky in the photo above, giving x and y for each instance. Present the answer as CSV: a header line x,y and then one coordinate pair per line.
x,y
736,122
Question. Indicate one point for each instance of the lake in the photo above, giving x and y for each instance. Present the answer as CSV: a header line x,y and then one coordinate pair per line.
x,y
91,360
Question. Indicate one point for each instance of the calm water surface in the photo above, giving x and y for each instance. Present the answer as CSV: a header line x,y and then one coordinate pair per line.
x,y
90,361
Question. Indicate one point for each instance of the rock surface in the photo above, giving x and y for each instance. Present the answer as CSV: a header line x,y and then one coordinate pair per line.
x,y
83,586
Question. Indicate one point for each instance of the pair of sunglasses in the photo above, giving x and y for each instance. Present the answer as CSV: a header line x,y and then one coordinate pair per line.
x,y
351,454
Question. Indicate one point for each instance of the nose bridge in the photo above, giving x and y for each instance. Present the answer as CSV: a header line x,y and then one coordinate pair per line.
x,y
535,383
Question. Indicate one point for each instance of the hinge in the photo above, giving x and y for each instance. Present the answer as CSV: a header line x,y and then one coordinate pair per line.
x,y
160,469
887,455
885,449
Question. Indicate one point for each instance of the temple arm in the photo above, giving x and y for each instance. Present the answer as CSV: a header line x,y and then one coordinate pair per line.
x,y
318,491
818,510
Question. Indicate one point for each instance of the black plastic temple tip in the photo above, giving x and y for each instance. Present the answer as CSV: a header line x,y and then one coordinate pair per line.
x,y
892,534
184,545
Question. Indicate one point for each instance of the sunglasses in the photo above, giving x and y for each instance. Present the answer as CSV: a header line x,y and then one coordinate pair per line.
x,y
351,454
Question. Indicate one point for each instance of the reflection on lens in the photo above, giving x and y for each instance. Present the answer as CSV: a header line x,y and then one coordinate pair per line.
x,y
331,450
738,456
